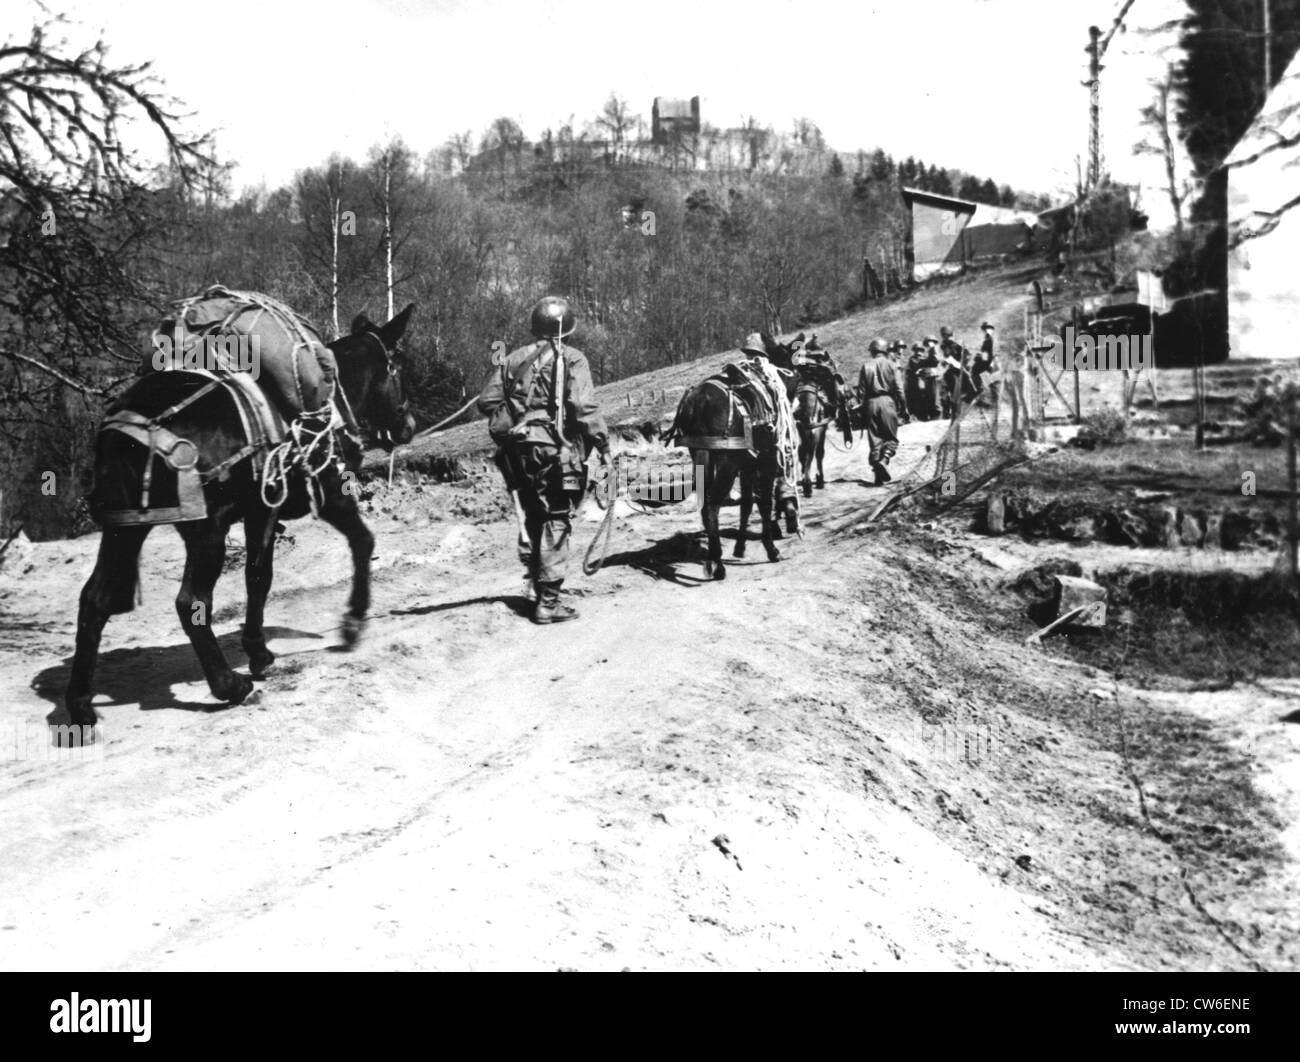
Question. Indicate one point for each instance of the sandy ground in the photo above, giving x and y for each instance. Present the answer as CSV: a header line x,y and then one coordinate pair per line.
x,y
846,760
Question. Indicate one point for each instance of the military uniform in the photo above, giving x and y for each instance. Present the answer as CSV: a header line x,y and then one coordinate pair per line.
x,y
957,375
878,384
543,449
929,379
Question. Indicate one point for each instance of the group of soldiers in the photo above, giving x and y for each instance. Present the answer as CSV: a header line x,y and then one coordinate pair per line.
x,y
942,374
542,414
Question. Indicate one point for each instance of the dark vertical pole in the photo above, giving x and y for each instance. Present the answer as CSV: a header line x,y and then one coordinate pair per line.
x,y
1293,524
1078,407
1268,51
1094,107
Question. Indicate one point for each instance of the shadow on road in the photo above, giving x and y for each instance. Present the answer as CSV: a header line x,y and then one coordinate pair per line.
x,y
145,675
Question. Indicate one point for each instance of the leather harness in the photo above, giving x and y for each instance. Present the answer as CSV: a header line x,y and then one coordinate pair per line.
x,y
263,428
725,442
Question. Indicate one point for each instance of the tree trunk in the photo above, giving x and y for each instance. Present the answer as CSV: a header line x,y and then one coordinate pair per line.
x,y
388,230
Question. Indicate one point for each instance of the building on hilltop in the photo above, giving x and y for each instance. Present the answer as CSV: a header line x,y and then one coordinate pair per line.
x,y
672,121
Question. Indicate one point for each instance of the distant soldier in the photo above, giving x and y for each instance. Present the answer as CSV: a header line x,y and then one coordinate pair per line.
x,y
878,384
957,384
931,379
912,381
542,412
987,371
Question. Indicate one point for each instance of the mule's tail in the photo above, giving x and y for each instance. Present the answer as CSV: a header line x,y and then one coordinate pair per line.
x,y
683,412
118,483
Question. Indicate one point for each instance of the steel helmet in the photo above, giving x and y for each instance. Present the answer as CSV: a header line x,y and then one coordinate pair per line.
x,y
946,332
876,347
552,318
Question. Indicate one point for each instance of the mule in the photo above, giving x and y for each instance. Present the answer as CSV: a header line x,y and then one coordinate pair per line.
x,y
711,413
370,380
817,404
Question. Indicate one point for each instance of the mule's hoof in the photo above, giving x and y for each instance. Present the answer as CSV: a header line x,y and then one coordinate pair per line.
x,y
739,551
774,554
234,690
807,490
715,570
80,713
820,484
352,628
260,663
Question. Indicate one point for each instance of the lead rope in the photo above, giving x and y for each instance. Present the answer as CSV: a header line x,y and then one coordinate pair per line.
x,y
606,527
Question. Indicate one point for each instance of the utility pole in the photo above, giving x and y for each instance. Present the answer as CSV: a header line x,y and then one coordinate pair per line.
x,y
1094,50
1097,45
1268,50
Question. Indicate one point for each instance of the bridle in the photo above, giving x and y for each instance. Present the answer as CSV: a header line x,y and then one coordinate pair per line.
x,y
390,358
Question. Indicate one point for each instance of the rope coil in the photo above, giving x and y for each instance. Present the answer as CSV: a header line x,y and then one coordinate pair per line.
x,y
293,452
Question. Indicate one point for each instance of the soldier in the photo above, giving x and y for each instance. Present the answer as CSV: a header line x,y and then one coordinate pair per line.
x,y
878,384
931,379
912,381
763,372
542,412
957,386
988,372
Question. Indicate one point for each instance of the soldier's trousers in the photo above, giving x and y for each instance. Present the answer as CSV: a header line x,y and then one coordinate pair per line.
x,y
882,429
548,512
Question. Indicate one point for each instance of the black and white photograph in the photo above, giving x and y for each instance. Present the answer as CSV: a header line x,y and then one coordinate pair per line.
x,y
551,485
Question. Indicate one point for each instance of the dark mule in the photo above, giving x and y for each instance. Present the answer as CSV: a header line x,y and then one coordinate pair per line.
x,y
364,359
212,424
816,407
714,416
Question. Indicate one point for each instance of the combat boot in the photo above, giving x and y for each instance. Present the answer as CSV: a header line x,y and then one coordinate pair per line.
x,y
549,609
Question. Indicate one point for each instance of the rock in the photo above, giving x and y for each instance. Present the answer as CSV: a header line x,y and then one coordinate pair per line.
x,y
1073,593
1214,531
995,515
1236,530
1169,527
1128,528
1024,861
1080,528
1190,530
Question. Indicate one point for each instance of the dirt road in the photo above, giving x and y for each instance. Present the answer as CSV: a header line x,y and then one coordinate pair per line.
x,y
845,760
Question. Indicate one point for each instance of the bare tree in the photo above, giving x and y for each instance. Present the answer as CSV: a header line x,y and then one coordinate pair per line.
x,y
1156,117
617,119
505,138
327,200
81,205
462,147
391,178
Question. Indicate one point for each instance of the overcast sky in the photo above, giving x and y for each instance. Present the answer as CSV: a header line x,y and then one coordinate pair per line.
x,y
989,86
